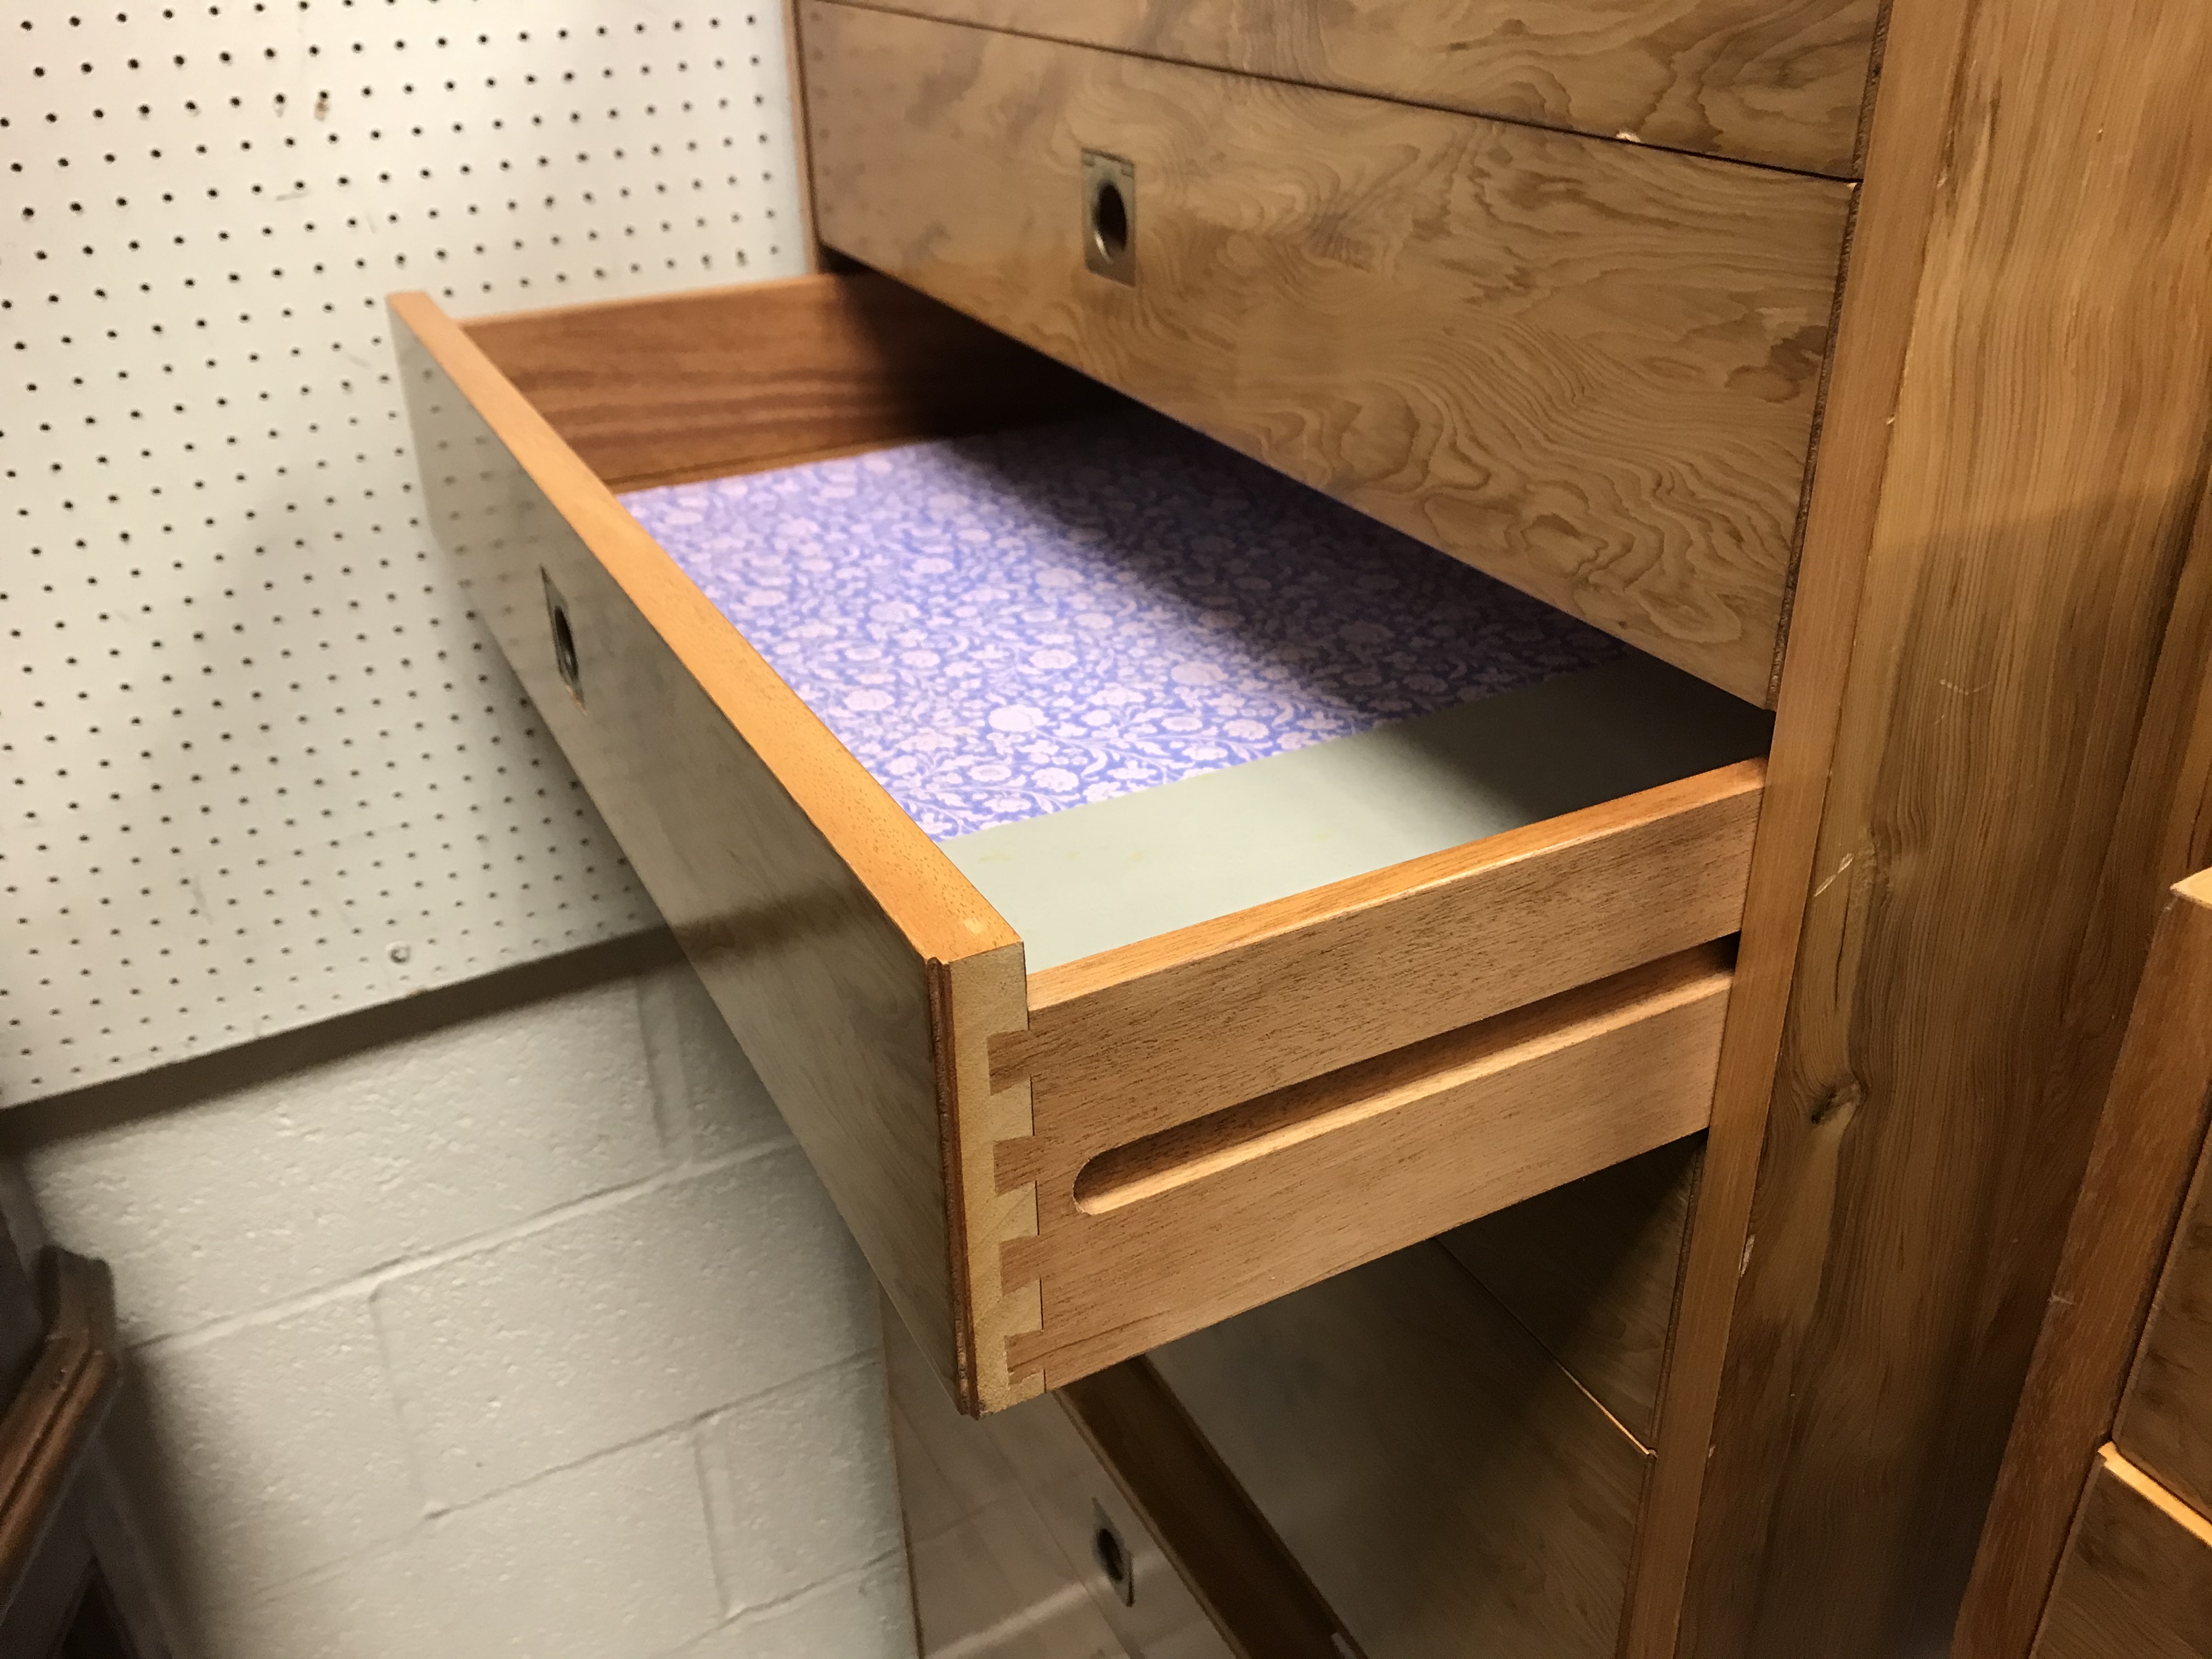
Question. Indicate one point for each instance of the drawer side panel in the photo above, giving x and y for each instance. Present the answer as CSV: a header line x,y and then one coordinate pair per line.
x,y
828,992
1782,84
1588,368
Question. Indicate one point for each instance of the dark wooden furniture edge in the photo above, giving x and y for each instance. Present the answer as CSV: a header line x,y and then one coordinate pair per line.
x,y
2146,1151
49,1427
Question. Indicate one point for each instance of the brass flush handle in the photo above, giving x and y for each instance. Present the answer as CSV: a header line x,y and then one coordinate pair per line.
x,y
565,640
1112,1556
1109,215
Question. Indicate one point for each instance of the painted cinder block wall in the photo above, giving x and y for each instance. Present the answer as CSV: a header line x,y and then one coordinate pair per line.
x,y
508,1321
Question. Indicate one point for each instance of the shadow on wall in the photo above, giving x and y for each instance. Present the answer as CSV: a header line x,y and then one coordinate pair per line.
x,y
504,1320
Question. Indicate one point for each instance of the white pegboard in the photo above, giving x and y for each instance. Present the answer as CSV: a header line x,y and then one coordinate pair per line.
x,y
258,765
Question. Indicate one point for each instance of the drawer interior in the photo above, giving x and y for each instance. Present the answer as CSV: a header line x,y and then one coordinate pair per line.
x,y
1592,1270
1491,926
1096,1522
1450,1489
1132,682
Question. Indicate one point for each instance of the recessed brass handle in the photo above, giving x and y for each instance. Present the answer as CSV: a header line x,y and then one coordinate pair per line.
x,y
1112,1556
1109,215
565,640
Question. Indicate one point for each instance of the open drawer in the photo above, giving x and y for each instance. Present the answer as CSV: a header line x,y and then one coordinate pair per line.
x,y
1282,1045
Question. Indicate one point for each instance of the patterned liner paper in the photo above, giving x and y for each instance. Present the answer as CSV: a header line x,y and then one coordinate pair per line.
x,y
1005,626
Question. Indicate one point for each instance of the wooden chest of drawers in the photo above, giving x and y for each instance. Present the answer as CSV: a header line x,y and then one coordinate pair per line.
x,y
1896,426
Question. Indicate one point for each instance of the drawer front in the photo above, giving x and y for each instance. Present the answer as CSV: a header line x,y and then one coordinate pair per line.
x,y
1450,1489
1588,368
2136,1577
1752,80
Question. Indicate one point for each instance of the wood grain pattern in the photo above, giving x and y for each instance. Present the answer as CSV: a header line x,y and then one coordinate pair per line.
x,y
2091,1330
1592,1269
2164,829
1175,1027
2137,1577
1588,368
815,910
2037,490
1890,229
1449,1488
2148,1142
1394,1151
730,380
1784,85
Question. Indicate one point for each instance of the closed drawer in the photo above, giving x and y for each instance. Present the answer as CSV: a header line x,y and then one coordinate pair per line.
x,y
2136,1576
1588,368
1785,85
1093,1522
1082,1083
1448,1487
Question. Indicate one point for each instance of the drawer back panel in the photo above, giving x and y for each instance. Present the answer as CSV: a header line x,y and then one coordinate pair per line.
x,y
1592,1270
1588,368
1448,1486
1782,84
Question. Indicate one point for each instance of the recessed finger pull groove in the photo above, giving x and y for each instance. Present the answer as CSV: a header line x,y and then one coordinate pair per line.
x,y
1109,215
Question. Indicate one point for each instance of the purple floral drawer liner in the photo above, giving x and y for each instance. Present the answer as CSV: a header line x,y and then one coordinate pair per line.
x,y
1005,626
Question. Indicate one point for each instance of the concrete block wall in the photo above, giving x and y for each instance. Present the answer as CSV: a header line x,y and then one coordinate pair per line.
x,y
520,1327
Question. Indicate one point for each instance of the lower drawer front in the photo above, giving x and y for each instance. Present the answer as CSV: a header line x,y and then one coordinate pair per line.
x,y
1449,1488
1086,1526
2137,1579
1588,368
